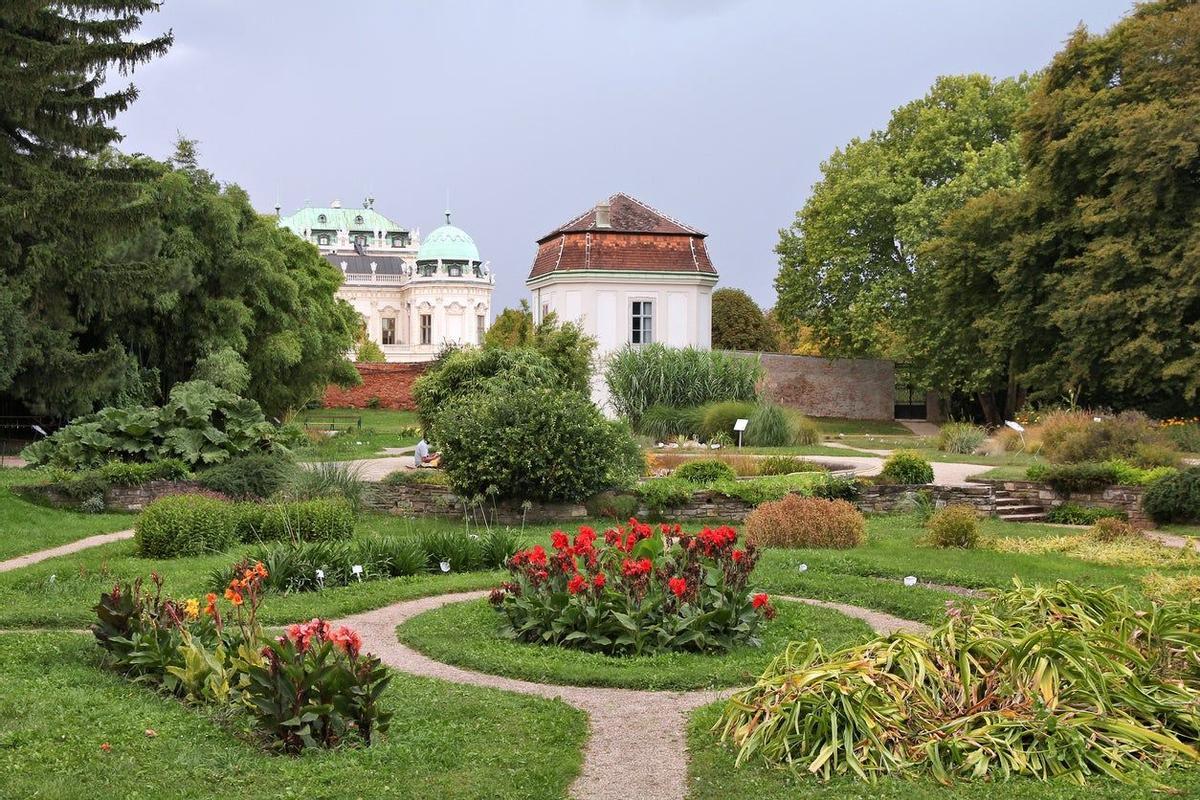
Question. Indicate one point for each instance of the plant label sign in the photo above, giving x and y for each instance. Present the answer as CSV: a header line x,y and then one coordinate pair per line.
x,y
740,425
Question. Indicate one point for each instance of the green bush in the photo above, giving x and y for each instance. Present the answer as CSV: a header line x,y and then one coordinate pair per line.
x,y
612,505
663,423
526,441
720,417
786,465
327,479
89,483
463,372
1071,514
416,477
960,437
1174,498
184,525
838,488
656,375
200,424
1185,436
1087,476
259,475
1076,437
906,467
804,431
954,526
769,426
704,470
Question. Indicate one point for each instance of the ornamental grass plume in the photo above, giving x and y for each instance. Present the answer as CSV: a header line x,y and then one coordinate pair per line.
x,y
1044,682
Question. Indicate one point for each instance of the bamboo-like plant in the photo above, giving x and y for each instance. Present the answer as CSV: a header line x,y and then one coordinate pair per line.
x,y
640,377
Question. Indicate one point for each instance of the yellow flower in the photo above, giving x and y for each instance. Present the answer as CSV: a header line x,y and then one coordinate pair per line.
x,y
192,608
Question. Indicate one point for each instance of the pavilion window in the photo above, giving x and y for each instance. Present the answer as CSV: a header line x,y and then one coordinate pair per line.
x,y
480,328
323,239
642,322
388,333
426,329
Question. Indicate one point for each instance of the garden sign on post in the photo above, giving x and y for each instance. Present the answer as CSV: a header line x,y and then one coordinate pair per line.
x,y
740,426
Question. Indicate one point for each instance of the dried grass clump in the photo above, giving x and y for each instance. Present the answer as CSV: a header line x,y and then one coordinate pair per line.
x,y
1135,552
797,521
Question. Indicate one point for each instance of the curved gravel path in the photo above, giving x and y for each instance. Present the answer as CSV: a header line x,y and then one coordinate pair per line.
x,y
64,549
626,726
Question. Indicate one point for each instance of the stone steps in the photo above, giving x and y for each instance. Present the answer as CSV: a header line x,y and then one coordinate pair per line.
x,y
1014,509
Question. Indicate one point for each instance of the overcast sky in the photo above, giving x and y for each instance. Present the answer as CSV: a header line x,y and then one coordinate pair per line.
x,y
717,112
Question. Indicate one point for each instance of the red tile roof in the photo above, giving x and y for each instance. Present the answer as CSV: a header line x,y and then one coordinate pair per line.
x,y
638,238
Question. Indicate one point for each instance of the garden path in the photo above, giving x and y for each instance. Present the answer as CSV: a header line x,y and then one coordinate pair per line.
x,y
944,473
64,549
1175,540
626,726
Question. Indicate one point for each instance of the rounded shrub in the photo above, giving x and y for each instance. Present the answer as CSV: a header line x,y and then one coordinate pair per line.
x,y
769,426
719,418
960,437
798,521
907,467
526,441
954,526
184,525
705,470
804,431
260,475
1110,529
1174,498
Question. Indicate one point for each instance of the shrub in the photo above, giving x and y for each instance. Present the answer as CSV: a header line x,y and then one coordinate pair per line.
x,y
1071,514
184,525
89,483
612,505
954,526
784,465
416,477
312,566
463,372
659,494
529,442
704,470
906,467
769,426
838,488
639,590
1069,478
656,375
1110,529
796,521
1184,435
664,423
804,431
327,479
1174,498
260,475
1075,436
199,424
720,417
960,437
1110,674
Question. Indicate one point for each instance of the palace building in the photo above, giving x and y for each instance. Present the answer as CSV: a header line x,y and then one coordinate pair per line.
x,y
415,296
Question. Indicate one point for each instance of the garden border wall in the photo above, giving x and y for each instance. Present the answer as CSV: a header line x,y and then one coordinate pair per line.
x,y
851,388
384,385
1126,499
116,498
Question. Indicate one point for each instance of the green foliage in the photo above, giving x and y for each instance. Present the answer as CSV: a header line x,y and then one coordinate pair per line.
x,y
327,479
199,424
91,482
805,432
1185,436
954,526
1089,476
467,371
960,437
369,353
527,441
664,423
784,465
565,346
838,488
184,525
317,520
612,505
224,368
720,417
1174,498
795,521
1071,514
1111,529
704,470
660,494
768,426
416,477
259,475
656,375
906,467
634,593
1071,437
1113,676
739,324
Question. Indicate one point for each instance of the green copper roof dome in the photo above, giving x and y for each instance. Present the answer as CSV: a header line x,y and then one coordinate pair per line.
x,y
448,243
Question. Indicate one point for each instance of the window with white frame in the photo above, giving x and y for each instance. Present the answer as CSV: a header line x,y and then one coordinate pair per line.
x,y
388,332
641,329
480,327
323,239
426,329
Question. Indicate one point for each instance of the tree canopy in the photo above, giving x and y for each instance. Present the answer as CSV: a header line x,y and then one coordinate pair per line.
x,y
567,347
739,324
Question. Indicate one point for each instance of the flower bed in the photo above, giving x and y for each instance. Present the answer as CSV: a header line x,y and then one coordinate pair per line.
x,y
638,590
310,687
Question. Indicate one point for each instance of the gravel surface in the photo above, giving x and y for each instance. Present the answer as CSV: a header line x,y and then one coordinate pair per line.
x,y
626,726
64,549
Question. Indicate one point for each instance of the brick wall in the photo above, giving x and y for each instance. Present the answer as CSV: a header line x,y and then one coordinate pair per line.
x,y
855,388
390,383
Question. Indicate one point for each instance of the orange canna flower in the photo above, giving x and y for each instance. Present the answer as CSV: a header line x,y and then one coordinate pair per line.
x,y
233,596
211,604
260,570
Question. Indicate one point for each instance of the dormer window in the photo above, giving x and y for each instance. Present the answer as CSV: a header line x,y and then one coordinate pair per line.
x,y
397,241
428,269
323,239
321,218
360,240
358,220
455,270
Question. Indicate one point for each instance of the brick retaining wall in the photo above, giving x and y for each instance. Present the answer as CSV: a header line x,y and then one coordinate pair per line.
x,y
854,388
388,384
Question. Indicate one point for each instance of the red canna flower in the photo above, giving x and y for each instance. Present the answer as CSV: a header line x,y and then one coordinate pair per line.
x,y
577,584
599,580
677,586
760,600
737,555
559,540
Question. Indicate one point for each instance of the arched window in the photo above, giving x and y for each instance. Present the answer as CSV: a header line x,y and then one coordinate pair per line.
x,y
358,220
321,218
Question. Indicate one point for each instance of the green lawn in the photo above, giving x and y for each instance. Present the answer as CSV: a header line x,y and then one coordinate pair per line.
x,y
1011,473
447,741
712,776
26,527
832,426
467,634
380,428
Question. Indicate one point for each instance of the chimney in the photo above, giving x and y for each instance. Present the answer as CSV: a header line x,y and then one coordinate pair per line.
x,y
603,215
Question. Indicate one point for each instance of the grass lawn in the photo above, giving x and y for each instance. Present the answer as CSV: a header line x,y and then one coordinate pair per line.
x,y
1011,473
380,428
467,634
57,706
712,776
832,426
26,527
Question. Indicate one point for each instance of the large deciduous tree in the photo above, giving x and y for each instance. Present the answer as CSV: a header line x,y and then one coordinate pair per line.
x,y
739,324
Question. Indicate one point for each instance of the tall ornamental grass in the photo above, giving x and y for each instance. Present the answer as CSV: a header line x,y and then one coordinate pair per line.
x,y
656,375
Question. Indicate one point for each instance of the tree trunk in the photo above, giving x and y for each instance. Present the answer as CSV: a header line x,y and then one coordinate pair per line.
x,y
991,413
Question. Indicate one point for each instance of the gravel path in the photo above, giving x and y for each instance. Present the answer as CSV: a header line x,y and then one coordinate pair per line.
x,y
64,549
626,726
1174,540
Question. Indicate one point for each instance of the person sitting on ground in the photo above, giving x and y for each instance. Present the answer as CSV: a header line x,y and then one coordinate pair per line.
x,y
423,458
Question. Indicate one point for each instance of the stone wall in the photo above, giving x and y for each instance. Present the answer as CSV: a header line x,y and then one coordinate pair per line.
x,y
117,498
901,497
1127,499
433,500
389,384
854,388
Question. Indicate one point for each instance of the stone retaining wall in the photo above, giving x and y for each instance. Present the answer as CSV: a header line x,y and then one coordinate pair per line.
x,y
881,498
1127,499
117,498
